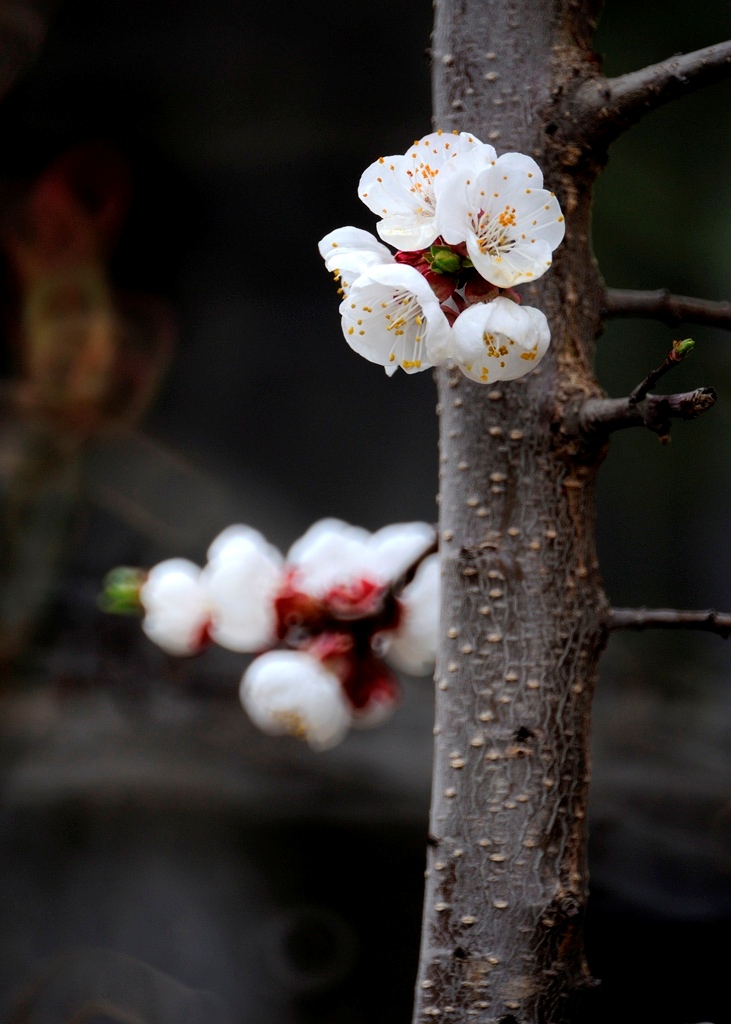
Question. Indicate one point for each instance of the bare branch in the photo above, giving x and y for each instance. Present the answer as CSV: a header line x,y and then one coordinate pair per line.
x,y
670,618
668,309
604,415
680,351
603,108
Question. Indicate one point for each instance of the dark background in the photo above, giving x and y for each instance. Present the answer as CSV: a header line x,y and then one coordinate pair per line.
x,y
142,816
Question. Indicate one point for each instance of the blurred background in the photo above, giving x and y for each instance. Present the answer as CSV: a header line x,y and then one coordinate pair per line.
x,y
171,363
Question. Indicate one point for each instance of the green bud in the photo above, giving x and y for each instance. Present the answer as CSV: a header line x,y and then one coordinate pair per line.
x,y
121,593
444,260
681,349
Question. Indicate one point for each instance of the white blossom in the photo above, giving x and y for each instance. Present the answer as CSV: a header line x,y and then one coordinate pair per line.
x,y
509,222
401,189
176,607
392,317
498,340
349,251
292,692
393,549
333,554
241,580
413,646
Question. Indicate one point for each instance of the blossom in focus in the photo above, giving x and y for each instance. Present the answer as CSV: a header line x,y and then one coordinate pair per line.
x,y
401,189
471,225
392,317
349,251
290,692
498,340
508,221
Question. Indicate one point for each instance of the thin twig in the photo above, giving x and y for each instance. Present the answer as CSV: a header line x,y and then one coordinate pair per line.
x,y
667,308
670,618
604,415
605,107
680,351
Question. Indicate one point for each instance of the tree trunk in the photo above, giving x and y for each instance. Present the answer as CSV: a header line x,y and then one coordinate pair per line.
x,y
523,613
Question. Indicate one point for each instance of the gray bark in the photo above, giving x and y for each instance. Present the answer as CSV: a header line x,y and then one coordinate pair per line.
x,y
523,614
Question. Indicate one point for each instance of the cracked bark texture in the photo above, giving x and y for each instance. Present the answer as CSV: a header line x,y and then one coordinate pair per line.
x,y
523,612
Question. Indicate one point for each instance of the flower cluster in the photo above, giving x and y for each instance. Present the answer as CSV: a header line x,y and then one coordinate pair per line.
x,y
326,617
470,225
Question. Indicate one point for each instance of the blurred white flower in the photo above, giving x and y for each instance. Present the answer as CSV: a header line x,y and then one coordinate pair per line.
x,y
241,580
333,605
509,222
175,605
498,340
292,692
333,554
413,646
401,189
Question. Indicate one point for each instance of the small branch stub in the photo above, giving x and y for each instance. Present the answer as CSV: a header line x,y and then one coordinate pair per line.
x,y
670,618
667,308
601,416
603,108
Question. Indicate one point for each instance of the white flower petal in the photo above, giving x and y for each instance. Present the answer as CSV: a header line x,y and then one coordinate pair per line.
x,y
499,340
291,692
176,610
333,553
330,553
239,537
401,189
349,251
349,239
241,581
510,224
391,316
392,549
413,646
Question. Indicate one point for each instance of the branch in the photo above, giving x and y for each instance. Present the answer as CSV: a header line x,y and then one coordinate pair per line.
x,y
669,309
670,618
605,415
605,107
680,351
